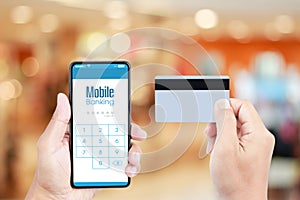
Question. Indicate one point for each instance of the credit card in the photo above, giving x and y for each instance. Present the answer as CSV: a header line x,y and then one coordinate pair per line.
x,y
188,98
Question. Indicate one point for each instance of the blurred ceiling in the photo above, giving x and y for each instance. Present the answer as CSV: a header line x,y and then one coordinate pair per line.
x,y
237,17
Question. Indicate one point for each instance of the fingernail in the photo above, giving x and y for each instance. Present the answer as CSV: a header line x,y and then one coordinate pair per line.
x,y
223,104
62,110
143,134
133,170
136,156
58,100
208,148
206,130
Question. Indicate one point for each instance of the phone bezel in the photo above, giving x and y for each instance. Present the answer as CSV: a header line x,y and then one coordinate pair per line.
x,y
72,64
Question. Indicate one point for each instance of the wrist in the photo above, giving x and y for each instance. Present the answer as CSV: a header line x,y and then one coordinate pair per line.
x,y
38,192
245,195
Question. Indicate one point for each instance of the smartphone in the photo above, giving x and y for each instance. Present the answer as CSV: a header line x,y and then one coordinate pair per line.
x,y
100,123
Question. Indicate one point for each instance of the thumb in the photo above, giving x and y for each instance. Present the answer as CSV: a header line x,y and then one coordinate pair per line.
x,y
56,129
226,124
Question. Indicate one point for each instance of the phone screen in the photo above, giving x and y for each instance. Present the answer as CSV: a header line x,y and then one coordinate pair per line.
x,y
99,93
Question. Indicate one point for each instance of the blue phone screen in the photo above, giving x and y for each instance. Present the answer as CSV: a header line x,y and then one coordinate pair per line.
x,y
100,123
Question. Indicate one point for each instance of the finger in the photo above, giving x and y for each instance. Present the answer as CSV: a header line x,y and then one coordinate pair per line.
x,y
137,133
247,116
210,145
134,155
57,126
210,132
131,171
225,123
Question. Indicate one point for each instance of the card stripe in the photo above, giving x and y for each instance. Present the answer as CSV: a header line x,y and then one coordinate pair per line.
x,y
192,84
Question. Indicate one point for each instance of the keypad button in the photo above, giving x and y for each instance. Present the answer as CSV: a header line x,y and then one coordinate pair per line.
x,y
100,152
118,164
84,152
101,129
83,130
117,129
84,141
116,152
118,140
100,141
100,163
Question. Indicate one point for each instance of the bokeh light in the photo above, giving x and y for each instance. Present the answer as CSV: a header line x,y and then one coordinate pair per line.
x,y
30,66
284,24
21,14
48,23
120,24
18,88
95,39
116,9
271,32
206,18
7,90
238,29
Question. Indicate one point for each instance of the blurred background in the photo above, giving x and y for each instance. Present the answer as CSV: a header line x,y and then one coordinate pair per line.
x,y
257,43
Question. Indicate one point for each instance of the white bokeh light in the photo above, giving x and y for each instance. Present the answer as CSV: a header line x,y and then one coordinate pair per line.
x,y
21,14
120,24
116,9
206,18
284,24
18,88
7,90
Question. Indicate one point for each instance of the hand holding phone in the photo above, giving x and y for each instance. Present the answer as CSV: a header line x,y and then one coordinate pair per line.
x,y
52,177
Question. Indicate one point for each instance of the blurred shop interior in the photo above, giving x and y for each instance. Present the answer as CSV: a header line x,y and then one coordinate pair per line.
x,y
256,43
